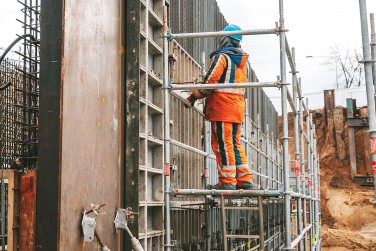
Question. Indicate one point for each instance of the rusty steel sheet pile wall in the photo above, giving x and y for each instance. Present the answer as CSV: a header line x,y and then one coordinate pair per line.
x,y
84,76
90,94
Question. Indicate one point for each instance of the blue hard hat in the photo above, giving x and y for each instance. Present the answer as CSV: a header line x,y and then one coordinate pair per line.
x,y
233,27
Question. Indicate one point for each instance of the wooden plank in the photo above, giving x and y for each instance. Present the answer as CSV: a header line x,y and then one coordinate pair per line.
x,y
338,127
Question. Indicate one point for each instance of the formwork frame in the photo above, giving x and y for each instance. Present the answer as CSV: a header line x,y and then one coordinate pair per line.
x,y
304,192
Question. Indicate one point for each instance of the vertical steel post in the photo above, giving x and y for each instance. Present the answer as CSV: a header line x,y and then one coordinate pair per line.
x,y
296,148
286,161
206,179
303,163
3,221
369,87
373,48
373,56
314,180
317,190
206,166
319,200
224,229
312,177
309,180
261,223
166,112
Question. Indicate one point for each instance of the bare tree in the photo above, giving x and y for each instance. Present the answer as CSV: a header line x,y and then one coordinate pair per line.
x,y
350,70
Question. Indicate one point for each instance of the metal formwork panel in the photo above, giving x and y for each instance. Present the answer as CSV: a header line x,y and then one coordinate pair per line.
x,y
187,130
151,168
194,20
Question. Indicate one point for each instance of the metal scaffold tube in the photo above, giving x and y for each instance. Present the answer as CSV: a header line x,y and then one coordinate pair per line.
x,y
166,127
286,162
206,181
317,190
369,86
373,49
303,164
235,193
223,33
310,179
296,145
224,85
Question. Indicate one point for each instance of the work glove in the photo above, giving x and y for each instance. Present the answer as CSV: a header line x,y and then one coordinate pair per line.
x,y
191,99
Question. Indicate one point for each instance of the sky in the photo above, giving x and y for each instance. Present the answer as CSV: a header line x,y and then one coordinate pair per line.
x,y
9,27
315,26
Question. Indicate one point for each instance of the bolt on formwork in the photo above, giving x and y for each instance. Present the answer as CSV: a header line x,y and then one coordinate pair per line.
x,y
287,195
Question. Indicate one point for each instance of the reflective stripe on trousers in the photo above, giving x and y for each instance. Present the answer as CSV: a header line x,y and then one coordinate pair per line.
x,y
230,156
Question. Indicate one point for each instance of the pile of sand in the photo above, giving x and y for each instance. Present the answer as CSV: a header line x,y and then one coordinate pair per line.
x,y
348,217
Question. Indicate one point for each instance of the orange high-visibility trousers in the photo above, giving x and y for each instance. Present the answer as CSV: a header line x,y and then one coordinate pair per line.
x,y
231,159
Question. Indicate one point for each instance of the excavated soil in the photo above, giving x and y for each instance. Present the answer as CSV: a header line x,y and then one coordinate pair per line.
x,y
348,217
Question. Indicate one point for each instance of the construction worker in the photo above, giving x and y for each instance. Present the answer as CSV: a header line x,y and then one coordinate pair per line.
x,y
224,108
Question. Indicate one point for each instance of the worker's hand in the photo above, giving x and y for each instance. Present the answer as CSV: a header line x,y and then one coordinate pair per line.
x,y
191,99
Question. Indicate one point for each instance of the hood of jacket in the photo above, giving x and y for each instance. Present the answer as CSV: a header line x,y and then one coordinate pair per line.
x,y
231,47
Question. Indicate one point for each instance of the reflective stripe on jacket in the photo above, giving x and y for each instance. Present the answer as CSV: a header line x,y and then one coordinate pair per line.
x,y
228,65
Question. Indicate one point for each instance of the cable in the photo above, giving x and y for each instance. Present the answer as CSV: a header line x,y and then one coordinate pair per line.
x,y
6,85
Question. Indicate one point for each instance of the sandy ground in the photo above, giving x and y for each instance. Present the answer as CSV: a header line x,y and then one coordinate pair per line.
x,y
348,217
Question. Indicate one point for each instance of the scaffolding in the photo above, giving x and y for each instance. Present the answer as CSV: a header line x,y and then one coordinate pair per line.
x,y
283,212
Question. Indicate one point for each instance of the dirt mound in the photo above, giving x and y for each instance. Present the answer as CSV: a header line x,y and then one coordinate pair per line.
x,y
348,217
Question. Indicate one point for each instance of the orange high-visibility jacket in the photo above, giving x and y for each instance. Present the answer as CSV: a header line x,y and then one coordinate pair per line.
x,y
228,65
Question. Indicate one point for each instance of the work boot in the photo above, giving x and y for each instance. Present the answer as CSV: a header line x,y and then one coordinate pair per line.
x,y
246,186
223,186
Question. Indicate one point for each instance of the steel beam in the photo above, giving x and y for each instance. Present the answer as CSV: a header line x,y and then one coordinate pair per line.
x,y
130,86
47,214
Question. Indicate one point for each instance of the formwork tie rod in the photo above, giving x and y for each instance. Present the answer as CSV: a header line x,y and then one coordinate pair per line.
x,y
225,85
275,31
214,192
